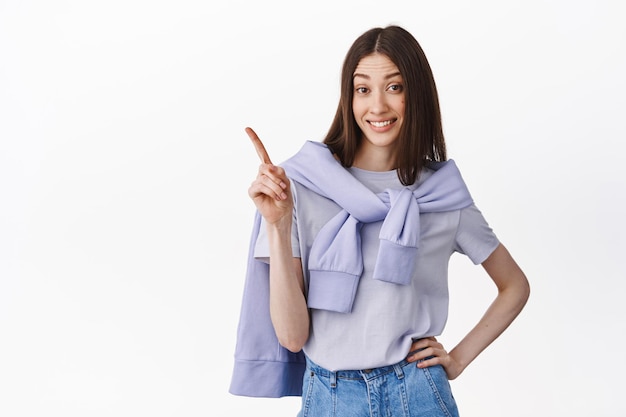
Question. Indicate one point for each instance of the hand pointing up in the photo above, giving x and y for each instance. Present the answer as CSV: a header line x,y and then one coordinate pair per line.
x,y
270,190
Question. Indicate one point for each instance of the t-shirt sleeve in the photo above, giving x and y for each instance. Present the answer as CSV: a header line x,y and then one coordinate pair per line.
x,y
262,249
474,237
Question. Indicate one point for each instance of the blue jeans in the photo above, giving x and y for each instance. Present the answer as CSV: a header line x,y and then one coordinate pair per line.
x,y
400,390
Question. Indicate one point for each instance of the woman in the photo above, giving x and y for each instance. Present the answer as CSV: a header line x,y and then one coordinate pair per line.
x,y
346,287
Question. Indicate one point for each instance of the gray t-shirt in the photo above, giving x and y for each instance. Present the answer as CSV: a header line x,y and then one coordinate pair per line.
x,y
385,317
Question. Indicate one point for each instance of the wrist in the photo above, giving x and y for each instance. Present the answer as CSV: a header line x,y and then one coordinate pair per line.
x,y
280,227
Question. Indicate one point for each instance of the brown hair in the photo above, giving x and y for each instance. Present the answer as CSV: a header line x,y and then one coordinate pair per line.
x,y
421,135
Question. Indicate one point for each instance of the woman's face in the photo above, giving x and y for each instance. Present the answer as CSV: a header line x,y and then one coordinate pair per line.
x,y
378,102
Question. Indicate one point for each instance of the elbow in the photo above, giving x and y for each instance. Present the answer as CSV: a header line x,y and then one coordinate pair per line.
x,y
516,291
522,291
295,339
292,344
525,289
292,335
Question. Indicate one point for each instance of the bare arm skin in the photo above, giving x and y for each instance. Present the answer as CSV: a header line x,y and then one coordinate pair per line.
x,y
513,292
271,194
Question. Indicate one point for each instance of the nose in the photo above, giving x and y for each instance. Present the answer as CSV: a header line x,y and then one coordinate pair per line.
x,y
378,102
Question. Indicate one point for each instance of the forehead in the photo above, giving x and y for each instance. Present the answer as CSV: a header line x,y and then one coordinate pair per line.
x,y
375,64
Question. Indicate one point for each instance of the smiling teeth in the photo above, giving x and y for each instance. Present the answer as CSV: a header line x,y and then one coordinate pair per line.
x,y
381,124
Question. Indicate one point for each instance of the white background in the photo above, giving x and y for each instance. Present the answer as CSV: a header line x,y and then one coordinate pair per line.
x,y
124,167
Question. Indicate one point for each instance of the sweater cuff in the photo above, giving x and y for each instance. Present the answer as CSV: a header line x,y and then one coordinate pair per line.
x,y
332,290
267,379
395,263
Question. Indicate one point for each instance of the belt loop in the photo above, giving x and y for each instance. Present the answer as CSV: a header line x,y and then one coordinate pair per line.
x,y
399,372
333,379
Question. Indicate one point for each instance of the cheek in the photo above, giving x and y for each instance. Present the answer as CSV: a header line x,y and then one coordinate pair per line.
x,y
357,111
401,106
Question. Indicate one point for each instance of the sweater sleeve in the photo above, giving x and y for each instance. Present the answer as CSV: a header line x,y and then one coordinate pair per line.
x,y
262,367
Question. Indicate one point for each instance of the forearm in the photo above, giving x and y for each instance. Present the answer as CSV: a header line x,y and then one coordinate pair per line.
x,y
288,308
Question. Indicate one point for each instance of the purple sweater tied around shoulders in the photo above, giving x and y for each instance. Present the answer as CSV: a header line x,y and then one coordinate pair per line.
x,y
263,368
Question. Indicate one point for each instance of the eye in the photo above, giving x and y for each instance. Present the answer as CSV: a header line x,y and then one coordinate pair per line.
x,y
395,88
361,90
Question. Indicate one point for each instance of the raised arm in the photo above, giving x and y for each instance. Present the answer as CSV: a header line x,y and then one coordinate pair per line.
x,y
271,194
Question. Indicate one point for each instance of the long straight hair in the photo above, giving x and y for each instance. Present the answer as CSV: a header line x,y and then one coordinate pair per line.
x,y
421,136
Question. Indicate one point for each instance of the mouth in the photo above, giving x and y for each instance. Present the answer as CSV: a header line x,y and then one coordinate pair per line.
x,y
382,123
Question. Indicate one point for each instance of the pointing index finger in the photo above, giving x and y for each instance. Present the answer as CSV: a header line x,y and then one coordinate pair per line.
x,y
258,146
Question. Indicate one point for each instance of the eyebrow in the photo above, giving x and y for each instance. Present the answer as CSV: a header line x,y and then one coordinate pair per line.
x,y
367,77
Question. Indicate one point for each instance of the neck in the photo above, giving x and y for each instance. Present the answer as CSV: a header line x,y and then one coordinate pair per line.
x,y
372,158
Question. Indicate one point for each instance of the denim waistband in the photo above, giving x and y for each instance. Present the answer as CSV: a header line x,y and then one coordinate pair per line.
x,y
361,374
